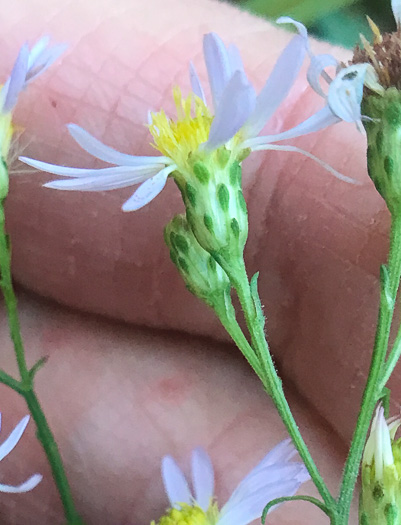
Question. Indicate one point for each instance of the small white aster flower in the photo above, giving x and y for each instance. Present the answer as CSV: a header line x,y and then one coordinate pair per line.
x,y
28,65
275,476
6,447
236,118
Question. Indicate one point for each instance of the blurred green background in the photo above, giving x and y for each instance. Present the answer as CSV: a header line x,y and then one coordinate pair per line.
x,y
338,21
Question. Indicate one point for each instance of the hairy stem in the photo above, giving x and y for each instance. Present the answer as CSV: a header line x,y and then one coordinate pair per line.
x,y
255,322
390,280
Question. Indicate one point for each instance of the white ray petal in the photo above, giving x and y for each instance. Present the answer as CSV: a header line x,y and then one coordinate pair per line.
x,y
16,81
28,485
393,425
37,50
346,91
175,484
217,64
108,154
148,190
316,69
251,507
234,57
383,455
65,171
300,28
320,120
104,183
196,85
277,86
281,453
237,103
43,61
267,475
324,165
12,440
202,478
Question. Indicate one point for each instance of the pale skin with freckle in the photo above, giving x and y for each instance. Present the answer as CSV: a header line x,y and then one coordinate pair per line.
x,y
317,242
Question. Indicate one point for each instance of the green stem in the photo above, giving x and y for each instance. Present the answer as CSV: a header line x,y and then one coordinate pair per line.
x,y
52,452
232,327
271,380
373,390
6,379
25,387
285,499
392,360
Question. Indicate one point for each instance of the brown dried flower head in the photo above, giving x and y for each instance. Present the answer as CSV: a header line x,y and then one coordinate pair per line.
x,y
384,54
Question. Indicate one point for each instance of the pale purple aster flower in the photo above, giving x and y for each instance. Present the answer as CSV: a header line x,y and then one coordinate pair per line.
x,y
6,447
29,64
275,476
234,121
238,115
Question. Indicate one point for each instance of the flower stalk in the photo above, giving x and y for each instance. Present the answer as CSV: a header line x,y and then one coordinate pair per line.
x,y
390,281
255,320
25,386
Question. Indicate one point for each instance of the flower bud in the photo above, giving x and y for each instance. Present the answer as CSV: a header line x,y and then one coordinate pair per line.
x,y
380,498
384,144
202,275
215,205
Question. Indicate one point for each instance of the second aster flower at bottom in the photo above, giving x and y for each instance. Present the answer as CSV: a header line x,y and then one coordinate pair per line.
x,y
274,477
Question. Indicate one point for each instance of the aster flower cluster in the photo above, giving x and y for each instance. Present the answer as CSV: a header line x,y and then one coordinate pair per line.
x,y
202,149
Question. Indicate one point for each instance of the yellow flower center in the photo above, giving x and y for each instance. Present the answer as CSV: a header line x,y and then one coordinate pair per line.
x,y
190,515
178,139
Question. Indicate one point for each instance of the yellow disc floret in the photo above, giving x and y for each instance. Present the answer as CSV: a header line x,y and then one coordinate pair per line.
x,y
190,515
178,139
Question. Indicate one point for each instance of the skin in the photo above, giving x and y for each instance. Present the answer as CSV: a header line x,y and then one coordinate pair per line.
x,y
119,397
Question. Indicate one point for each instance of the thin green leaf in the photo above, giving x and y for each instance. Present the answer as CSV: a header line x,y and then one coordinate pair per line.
x,y
256,300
